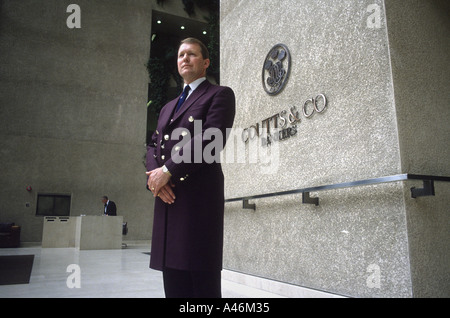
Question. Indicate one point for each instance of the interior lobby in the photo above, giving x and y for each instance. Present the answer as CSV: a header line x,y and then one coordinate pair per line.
x,y
122,273
337,168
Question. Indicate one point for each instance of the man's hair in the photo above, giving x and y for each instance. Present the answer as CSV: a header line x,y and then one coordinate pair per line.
x,y
203,47
105,197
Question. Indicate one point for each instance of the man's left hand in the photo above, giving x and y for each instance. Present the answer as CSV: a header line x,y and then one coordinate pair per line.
x,y
157,179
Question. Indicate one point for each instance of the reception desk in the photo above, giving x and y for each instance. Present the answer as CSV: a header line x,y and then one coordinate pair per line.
x,y
59,232
83,232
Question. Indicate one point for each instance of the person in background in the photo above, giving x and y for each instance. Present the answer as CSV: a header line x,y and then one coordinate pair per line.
x,y
110,207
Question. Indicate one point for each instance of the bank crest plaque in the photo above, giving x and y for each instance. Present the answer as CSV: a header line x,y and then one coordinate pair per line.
x,y
276,69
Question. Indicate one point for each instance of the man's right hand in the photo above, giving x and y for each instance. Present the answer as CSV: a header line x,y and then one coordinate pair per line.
x,y
166,193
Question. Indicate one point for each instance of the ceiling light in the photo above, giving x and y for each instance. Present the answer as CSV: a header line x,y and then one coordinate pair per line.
x,y
182,27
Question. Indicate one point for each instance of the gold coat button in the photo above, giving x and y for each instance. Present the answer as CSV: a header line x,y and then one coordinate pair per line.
x,y
191,119
166,137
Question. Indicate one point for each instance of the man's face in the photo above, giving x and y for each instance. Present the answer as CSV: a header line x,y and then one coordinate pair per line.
x,y
191,64
104,200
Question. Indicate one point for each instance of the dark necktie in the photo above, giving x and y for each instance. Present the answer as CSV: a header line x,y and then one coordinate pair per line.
x,y
183,97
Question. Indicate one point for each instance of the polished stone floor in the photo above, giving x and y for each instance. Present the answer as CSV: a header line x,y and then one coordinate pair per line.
x,y
103,274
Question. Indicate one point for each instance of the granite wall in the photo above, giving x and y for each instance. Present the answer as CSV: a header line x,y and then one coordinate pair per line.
x,y
357,242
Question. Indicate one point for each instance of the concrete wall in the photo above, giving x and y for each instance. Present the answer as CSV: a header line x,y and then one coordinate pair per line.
x,y
73,109
343,50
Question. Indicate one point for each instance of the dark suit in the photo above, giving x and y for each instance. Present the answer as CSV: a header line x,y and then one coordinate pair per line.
x,y
188,235
111,209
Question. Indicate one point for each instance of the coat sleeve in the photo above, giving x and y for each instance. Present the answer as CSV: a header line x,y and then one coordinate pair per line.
x,y
220,116
150,159
151,162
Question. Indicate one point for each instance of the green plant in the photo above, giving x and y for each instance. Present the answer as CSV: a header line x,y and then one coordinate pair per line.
x,y
159,82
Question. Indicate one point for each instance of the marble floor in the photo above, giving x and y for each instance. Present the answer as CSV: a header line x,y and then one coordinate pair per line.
x,y
103,274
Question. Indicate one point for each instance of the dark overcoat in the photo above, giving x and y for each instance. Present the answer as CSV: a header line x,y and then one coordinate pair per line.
x,y
188,234
111,209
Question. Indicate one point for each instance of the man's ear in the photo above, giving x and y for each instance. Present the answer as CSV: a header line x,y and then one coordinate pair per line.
x,y
207,63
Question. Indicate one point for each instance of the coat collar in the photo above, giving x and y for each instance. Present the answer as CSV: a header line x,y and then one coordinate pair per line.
x,y
196,94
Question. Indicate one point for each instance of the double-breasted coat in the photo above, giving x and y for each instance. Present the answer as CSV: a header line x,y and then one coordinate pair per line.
x,y
188,234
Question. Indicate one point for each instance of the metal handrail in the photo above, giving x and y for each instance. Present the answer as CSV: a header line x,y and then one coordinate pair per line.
x,y
427,190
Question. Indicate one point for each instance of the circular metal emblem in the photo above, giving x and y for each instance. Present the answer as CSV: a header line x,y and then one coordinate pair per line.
x,y
276,69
